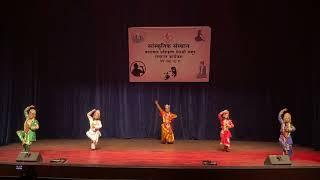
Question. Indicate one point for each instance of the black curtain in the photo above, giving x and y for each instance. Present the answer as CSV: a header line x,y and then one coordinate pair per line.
x,y
67,57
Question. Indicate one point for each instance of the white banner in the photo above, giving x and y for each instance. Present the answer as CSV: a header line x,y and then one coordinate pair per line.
x,y
169,54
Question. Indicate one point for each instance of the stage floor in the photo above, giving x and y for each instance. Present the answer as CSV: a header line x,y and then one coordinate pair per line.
x,y
151,153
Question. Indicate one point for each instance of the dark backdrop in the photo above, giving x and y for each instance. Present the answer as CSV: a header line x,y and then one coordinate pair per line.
x,y
67,57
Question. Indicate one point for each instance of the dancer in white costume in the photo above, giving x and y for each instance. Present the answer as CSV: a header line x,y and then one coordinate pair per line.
x,y
95,125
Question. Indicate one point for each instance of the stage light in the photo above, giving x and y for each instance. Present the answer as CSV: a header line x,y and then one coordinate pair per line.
x,y
277,160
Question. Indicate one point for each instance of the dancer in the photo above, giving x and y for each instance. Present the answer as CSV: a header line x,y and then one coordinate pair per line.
x,y
167,135
95,125
226,124
28,134
285,139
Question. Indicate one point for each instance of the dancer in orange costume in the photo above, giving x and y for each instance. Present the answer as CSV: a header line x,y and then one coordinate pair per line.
x,y
167,135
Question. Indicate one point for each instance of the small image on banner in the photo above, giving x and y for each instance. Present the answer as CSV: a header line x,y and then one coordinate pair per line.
x,y
169,54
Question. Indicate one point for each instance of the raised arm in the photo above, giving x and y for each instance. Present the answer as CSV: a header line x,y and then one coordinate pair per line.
x,y
158,106
280,114
25,112
220,116
90,113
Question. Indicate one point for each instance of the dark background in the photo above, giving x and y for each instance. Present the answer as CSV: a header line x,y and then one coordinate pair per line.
x,y
67,57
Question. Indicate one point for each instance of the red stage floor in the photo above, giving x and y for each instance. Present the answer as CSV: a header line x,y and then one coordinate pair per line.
x,y
151,153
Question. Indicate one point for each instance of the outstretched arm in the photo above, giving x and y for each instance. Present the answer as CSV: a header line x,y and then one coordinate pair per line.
x,y
90,113
173,116
280,114
158,106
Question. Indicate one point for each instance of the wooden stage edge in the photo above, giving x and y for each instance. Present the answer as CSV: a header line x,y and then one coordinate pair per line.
x,y
149,159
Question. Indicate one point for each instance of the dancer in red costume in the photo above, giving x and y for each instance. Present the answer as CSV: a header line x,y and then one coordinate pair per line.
x,y
226,124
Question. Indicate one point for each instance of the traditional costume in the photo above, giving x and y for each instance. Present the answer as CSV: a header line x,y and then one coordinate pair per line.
x,y
28,134
225,133
167,135
285,133
93,133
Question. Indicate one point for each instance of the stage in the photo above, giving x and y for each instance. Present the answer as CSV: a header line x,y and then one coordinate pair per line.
x,y
149,159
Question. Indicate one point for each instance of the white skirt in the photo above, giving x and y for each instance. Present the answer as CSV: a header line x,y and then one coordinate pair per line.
x,y
93,135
